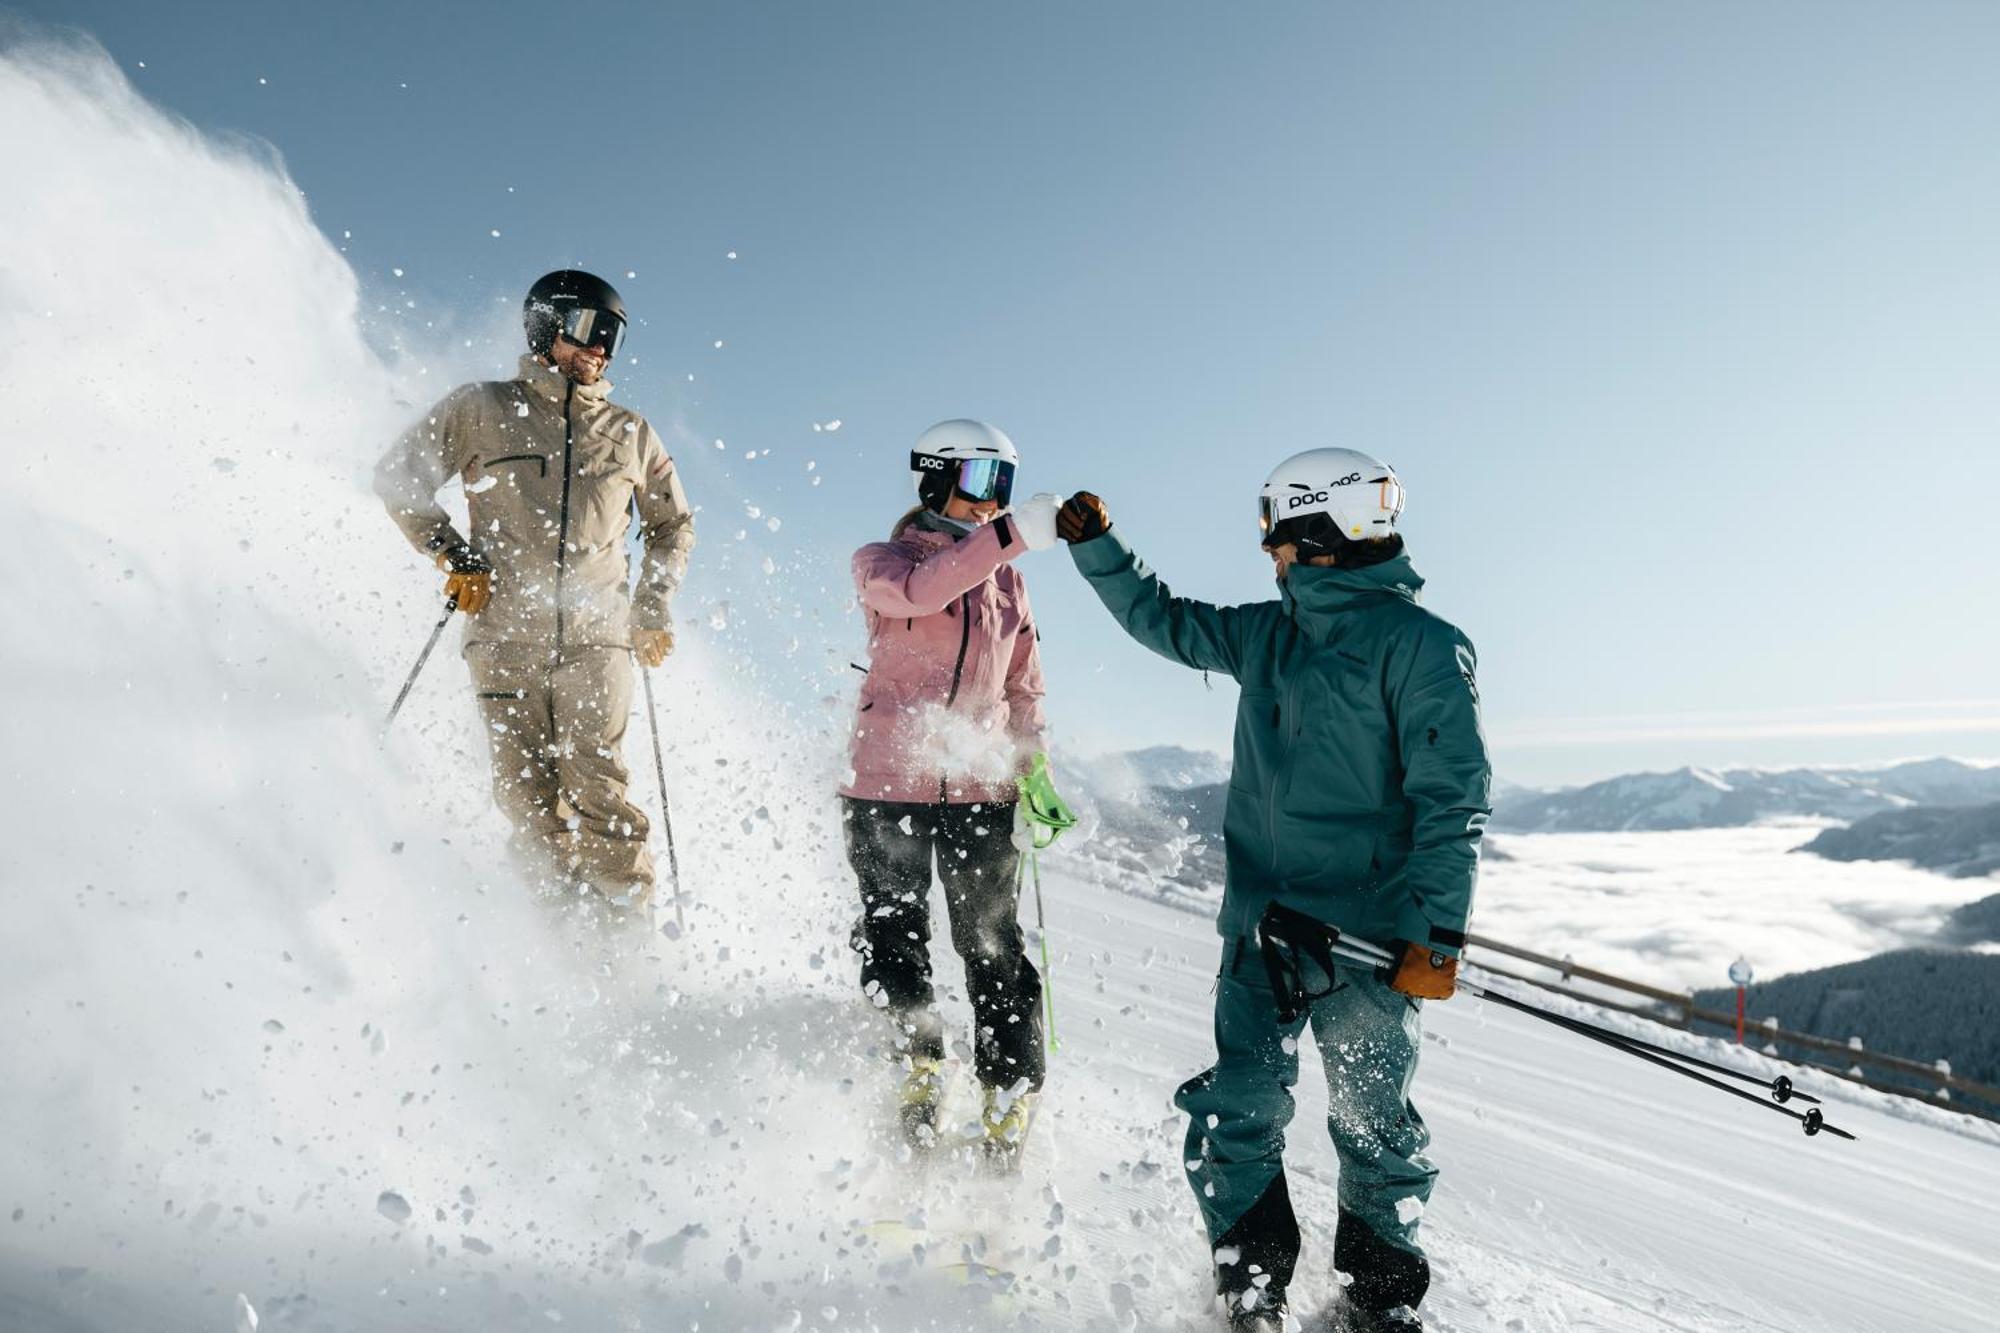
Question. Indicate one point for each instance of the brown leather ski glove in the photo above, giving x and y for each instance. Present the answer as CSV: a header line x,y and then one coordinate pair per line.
x,y
1425,973
469,578
1082,518
652,645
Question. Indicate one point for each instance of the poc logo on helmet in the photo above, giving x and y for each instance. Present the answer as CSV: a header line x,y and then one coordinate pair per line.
x,y
928,463
1299,499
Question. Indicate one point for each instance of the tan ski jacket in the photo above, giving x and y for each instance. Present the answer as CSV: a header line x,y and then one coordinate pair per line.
x,y
552,472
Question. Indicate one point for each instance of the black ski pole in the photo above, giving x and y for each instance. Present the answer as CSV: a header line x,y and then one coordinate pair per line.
x,y
666,814
1780,1087
1813,1120
450,605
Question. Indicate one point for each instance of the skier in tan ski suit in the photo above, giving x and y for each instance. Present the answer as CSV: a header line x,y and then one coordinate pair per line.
x,y
553,471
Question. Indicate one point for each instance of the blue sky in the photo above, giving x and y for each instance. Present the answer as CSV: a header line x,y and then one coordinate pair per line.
x,y
1680,321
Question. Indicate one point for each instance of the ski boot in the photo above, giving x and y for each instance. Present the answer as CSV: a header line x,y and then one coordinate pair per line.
x,y
1005,1119
1351,1318
921,1097
1258,1310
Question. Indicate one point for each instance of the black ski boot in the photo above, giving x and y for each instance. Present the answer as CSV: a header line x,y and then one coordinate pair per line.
x,y
1385,1282
1350,1318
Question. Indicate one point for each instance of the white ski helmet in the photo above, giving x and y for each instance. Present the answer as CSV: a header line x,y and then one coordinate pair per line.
x,y
1324,497
969,458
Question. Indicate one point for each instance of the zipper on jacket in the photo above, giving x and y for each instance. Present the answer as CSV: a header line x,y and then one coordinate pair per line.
x,y
1284,751
964,640
958,667
562,514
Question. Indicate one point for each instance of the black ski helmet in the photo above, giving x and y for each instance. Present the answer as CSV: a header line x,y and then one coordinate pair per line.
x,y
555,295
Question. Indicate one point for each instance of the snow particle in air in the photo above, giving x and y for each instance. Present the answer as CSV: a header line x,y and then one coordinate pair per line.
x,y
393,1206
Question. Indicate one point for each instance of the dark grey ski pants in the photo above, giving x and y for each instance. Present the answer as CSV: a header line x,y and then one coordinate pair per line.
x,y
892,846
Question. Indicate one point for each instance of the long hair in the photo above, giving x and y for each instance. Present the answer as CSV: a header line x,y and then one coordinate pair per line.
x,y
909,517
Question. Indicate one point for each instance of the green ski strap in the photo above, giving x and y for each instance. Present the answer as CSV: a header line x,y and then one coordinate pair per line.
x,y
1047,815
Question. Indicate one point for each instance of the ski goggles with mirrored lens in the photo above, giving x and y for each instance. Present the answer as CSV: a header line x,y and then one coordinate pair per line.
x,y
974,479
1267,518
586,327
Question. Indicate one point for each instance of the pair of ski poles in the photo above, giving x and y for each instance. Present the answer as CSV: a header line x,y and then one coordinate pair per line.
x,y
652,719
1779,1088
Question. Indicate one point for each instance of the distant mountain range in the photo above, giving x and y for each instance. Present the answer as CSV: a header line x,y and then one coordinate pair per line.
x,y
1962,841
1158,811
1176,767
1703,798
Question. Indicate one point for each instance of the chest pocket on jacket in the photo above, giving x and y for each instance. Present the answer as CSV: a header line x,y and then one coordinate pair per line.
x,y
1342,747
513,467
604,475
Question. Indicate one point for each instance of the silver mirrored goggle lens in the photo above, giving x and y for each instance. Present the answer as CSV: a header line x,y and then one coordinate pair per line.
x,y
587,327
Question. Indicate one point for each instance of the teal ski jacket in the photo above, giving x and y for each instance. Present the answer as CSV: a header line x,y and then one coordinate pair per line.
x,y
1360,784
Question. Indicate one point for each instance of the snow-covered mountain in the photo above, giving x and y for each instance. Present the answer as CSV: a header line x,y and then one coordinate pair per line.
x,y
1704,798
1960,841
1175,766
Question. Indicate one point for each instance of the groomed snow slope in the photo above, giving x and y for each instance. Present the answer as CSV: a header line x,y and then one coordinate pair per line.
x,y
719,1163
284,1047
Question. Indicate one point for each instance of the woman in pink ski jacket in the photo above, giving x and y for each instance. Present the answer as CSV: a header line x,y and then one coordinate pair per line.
x,y
950,713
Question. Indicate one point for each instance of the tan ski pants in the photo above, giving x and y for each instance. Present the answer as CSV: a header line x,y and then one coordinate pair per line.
x,y
557,737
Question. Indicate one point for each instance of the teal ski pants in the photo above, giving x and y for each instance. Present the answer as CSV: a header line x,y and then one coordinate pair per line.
x,y
1367,1036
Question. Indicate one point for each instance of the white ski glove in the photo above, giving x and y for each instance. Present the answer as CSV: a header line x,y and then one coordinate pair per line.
x,y
1036,520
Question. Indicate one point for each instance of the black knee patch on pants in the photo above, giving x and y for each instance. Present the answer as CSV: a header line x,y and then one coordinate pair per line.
x,y
1384,1275
1266,1238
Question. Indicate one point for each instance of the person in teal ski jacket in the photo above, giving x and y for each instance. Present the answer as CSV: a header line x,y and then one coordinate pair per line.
x,y
1358,794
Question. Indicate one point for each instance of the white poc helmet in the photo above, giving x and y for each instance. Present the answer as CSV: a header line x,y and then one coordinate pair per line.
x,y
969,458
1324,497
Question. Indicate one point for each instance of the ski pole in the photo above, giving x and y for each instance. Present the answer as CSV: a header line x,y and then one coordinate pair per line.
x,y
450,605
1042,929
666,813
1781,1089
1813,1120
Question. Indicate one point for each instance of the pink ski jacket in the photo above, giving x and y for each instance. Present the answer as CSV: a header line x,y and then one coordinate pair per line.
x,y
951,709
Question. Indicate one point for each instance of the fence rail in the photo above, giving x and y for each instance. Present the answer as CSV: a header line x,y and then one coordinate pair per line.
x,y
1678,1009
